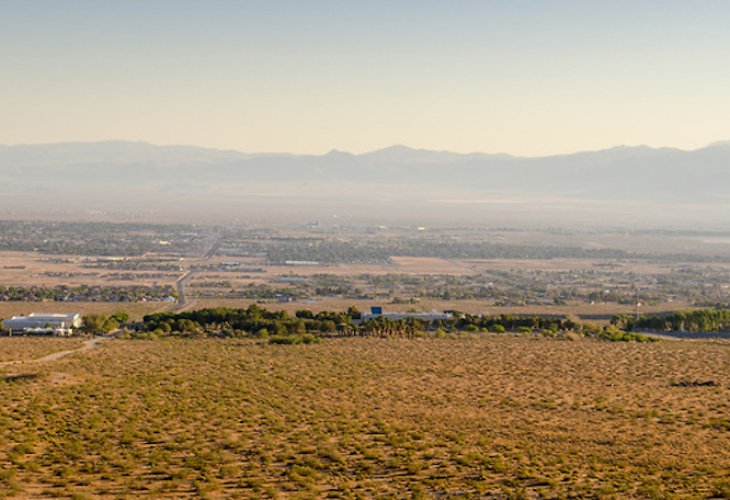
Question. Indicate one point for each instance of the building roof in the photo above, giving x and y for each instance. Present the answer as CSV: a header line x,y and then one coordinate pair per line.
x,y
53,315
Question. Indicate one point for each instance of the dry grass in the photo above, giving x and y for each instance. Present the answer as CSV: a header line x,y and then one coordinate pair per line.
x,y
30,268
26,348
511,416
429,265
135,309
404,265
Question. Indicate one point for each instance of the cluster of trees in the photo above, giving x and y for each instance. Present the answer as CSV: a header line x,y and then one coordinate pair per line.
x,y
379,251
259,322
500,287
505,322
701,320
86,293
95,238
308,327
358,249
99,323
136,265
211,284
550,327
614,334
253,321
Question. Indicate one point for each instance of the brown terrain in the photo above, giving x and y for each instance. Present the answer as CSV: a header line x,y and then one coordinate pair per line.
x,y
503,416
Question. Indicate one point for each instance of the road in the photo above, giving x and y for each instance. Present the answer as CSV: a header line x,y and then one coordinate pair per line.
x,y
182,301
214,248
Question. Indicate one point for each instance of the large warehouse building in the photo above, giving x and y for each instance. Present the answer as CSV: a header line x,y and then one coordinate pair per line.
x,y
43,323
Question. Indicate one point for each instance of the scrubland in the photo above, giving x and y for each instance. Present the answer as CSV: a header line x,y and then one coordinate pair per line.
x,y
489,415
15,349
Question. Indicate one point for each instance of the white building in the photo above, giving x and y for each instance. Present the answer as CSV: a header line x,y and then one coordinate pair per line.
x,y
43,323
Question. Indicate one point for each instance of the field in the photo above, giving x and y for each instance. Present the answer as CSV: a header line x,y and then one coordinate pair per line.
x,y
135,310
14,349
31,268
464,416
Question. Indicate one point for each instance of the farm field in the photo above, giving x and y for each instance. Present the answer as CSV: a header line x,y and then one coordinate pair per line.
x,y
468,415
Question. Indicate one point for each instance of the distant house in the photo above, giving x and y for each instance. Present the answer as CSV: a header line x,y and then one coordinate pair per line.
x,y
43,324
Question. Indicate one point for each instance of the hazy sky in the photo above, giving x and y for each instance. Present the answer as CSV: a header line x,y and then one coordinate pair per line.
x,y
523,77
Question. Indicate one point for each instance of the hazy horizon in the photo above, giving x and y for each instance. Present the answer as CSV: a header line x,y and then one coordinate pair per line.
x,y
634,187
509,111
396,145
527,79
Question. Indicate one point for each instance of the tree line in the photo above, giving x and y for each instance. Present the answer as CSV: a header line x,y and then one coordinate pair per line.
x,y
701,320
255,321
252,321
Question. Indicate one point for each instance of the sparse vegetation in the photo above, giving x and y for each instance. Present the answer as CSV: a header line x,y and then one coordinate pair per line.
x,y
20,348
355,417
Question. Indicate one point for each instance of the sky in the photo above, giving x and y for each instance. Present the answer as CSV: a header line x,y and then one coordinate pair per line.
x,y
515,76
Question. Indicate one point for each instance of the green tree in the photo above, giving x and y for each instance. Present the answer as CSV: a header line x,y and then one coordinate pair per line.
x,y
120,317
94,323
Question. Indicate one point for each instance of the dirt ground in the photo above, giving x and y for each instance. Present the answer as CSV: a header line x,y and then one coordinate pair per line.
x,y
31,268
467,416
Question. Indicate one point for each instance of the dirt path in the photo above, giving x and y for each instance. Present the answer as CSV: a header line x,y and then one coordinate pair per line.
x,y
86,346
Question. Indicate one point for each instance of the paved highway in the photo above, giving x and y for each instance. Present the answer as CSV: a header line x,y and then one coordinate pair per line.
x,y
182,301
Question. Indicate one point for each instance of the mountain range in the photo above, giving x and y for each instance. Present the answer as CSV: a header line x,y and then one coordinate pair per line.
x,y
622,176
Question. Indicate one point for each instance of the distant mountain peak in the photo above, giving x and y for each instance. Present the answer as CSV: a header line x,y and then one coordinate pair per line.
x,y
396,148
338,152
719,144
399,153
616,175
